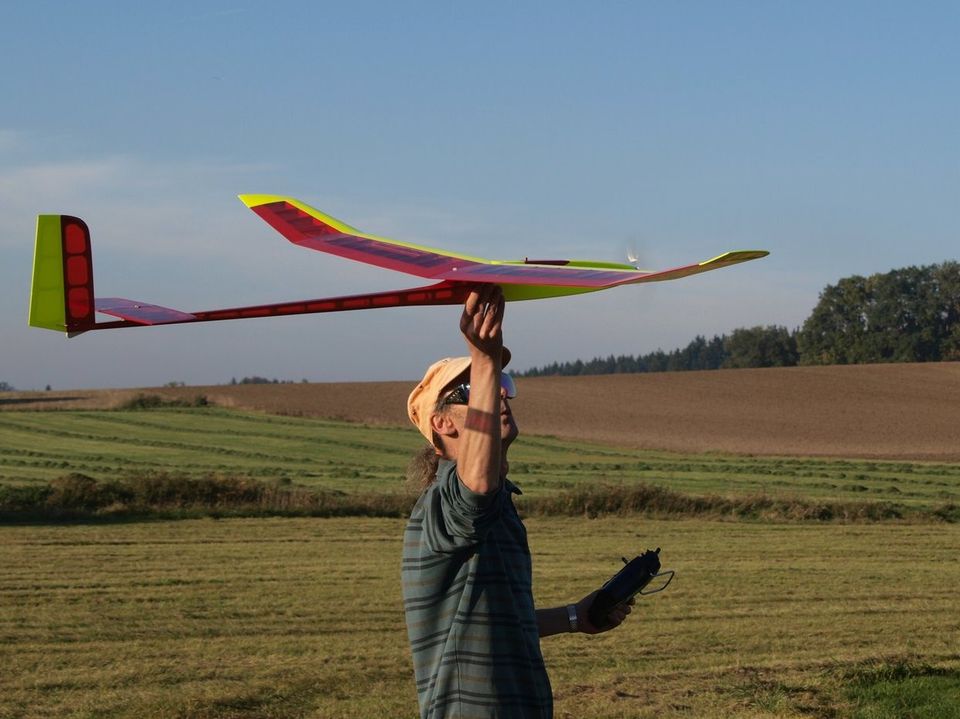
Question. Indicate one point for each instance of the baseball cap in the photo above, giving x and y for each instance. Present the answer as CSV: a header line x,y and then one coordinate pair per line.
x,y
439,376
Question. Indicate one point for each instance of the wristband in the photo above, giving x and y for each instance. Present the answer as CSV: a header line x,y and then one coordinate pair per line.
x,y
572,617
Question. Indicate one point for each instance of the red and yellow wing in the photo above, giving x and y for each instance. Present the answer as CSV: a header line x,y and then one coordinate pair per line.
x,y
308,227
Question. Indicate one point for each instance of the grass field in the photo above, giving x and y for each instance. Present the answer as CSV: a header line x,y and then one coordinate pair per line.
x,y
39,446
301,617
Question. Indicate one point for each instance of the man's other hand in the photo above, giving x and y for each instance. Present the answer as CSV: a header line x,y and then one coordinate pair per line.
x,y
615,617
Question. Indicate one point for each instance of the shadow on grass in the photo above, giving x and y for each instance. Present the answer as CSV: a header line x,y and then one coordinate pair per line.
x,y
894,687
901,687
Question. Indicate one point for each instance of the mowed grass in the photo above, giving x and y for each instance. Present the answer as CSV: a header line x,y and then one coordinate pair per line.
x,y
302,618
298,617
36,447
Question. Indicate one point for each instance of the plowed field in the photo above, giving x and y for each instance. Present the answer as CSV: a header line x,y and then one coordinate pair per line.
x,y
901,411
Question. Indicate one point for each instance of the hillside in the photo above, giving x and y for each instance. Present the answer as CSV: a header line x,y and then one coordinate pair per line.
x,y
895,411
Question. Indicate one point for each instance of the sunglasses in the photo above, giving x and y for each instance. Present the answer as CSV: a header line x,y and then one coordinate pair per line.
x,y
461,393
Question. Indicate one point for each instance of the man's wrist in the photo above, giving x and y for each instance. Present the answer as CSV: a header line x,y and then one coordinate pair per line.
x,y
572,618
491,360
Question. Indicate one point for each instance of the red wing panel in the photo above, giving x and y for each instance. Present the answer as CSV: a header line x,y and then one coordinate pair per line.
x,y
141,313
318,232
308,231
444,293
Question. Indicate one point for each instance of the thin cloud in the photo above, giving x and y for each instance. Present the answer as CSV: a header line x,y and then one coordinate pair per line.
x,y
20,186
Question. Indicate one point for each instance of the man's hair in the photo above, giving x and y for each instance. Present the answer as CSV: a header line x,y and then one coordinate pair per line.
x,y
422,469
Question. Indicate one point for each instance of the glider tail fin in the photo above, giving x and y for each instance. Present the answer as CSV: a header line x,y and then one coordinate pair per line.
x,y
61,294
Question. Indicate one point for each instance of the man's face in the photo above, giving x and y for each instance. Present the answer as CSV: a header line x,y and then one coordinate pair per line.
x,y
507,423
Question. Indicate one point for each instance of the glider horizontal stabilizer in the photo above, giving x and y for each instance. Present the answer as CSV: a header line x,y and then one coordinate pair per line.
x,y
141,313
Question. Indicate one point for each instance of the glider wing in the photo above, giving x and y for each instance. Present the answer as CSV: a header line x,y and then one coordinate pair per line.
x,y
132,312
308,227
303,225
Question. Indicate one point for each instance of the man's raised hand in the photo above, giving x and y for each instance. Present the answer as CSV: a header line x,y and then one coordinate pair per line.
x,y
482,320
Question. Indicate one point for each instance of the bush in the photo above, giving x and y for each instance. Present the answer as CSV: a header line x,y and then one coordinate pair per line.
x,y
76,496
155,401
76,491
169,495
622,499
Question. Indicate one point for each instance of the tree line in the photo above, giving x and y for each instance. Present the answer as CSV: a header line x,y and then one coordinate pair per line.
x,y
905,315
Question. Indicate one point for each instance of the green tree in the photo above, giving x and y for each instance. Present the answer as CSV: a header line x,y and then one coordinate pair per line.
x,y
906,315
946,280
770,346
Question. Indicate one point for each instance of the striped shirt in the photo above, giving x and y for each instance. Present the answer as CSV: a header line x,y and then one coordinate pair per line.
x,y
469,605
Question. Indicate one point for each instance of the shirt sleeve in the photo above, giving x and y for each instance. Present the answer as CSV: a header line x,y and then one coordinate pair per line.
x,y
458,518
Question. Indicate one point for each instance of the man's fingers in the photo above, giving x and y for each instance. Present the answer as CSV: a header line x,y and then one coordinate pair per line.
x,y
493,315
496,321
470,306
488,300
619,613
493,309
482,309
472,318
482,317
499,302
477,300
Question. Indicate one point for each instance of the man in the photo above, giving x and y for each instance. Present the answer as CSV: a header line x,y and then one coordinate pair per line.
x,y
474,631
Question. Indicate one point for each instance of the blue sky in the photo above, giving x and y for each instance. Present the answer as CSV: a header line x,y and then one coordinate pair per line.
x,y
827,133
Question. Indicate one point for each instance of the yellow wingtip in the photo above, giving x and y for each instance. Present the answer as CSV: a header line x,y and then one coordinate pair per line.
x,y
735,256
252,201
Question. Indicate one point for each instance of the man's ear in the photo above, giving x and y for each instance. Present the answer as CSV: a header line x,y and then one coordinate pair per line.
x,y
443,425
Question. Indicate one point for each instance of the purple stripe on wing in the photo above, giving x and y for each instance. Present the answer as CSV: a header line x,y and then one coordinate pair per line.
x,y
534,275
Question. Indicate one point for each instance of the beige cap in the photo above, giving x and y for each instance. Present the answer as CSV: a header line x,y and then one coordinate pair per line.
x,y
423,399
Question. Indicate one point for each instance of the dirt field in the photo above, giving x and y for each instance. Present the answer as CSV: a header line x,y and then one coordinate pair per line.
x,y
872,411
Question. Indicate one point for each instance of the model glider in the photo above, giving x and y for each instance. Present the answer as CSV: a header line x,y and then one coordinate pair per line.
x,y
62,296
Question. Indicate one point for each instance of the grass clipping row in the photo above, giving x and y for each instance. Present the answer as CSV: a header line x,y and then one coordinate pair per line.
x,y
162,495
